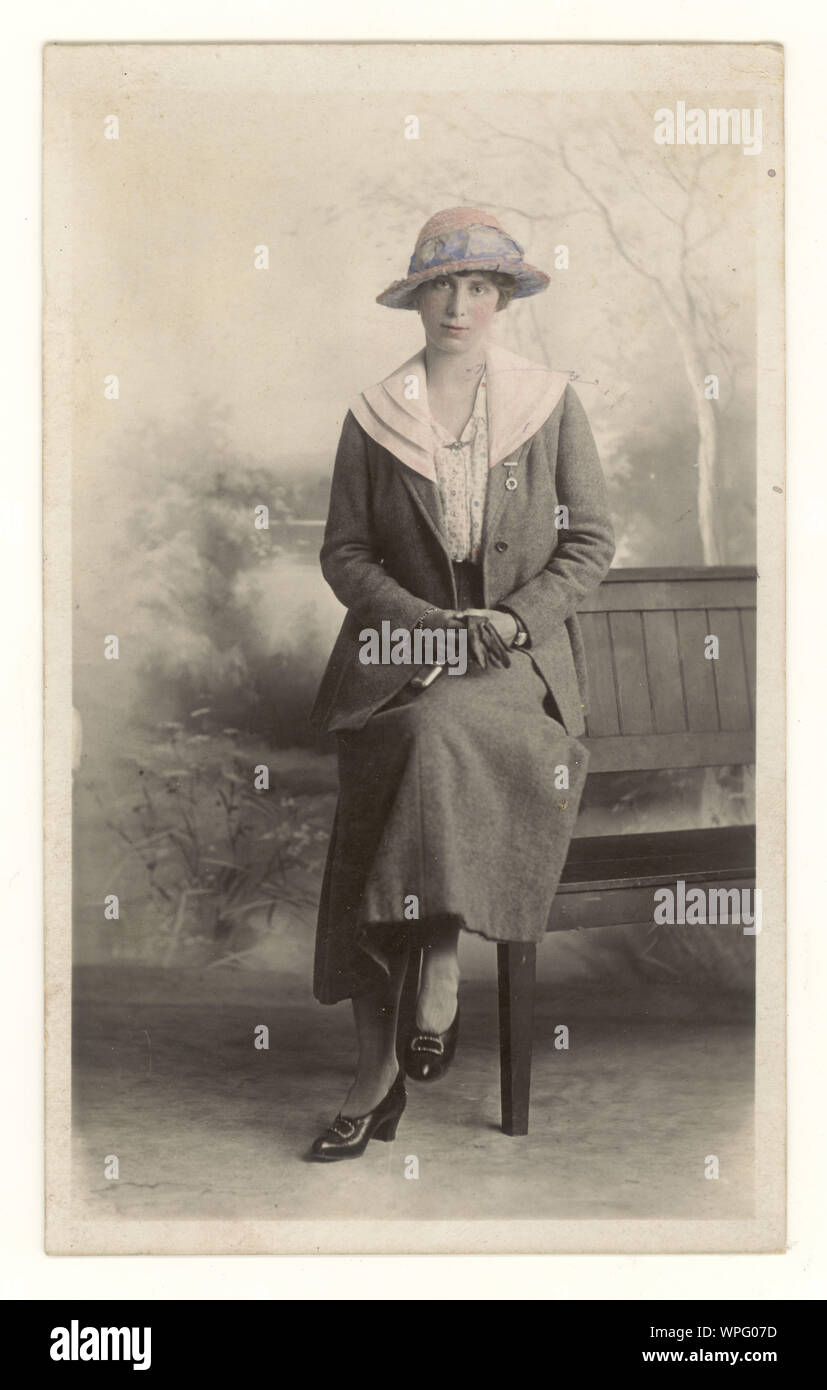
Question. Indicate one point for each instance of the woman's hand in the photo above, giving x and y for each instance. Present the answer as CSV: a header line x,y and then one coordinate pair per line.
x,y
490,634
437,618
504,624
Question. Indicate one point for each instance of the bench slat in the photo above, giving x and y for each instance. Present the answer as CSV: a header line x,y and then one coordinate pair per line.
x,y
613,906
730,670
626,574
644,752
698,676
747,619
609,879
603,713
626,630
661,594
664,853
663,665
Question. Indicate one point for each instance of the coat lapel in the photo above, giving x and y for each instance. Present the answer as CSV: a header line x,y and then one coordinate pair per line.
x,y
498,492
426,497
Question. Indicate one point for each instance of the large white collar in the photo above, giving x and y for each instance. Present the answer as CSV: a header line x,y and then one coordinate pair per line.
x,y
521,396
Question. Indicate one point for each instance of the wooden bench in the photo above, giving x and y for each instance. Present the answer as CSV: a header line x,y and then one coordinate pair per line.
x,y
655,702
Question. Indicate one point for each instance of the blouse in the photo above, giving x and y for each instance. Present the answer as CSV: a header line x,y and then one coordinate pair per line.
x,y
462,477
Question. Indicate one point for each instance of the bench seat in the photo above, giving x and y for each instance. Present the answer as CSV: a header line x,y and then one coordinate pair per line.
x,y
608,875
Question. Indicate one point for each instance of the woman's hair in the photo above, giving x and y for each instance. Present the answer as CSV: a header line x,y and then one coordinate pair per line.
x,y
506,284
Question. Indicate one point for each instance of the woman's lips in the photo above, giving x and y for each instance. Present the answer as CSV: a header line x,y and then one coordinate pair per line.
x,y
449,328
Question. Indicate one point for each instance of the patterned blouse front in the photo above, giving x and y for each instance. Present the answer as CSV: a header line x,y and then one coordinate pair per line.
x,y
462,476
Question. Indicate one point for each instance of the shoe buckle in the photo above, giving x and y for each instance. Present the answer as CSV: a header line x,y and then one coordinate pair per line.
x,y
342,1127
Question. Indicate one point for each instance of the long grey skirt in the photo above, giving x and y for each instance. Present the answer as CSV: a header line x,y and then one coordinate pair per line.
x,y
457,803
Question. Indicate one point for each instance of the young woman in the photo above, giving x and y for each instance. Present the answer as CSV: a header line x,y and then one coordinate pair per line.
x,y
467,493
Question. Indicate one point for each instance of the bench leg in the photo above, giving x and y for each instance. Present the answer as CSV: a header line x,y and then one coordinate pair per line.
x,y
516,961
407,1002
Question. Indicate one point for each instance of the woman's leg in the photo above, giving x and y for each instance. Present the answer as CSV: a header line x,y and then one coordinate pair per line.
x,y
377,1016
437,1001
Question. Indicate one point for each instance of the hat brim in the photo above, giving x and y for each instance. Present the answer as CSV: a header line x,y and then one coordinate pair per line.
x,y
527,280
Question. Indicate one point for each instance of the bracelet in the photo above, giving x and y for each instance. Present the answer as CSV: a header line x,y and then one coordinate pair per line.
x,y
521,637
420,620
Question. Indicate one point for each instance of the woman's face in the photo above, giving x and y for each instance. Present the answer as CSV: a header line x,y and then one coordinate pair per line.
x,y
457,311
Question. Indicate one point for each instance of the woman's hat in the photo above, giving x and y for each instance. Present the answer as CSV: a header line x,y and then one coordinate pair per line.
x,y
463,239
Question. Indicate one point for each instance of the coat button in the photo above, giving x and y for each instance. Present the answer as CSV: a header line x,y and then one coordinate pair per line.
x,y
501,547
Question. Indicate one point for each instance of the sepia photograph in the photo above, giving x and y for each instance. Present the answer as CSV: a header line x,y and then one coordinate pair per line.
x,y
415,734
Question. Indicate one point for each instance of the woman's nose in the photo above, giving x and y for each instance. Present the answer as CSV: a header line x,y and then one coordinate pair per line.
x,y
457,302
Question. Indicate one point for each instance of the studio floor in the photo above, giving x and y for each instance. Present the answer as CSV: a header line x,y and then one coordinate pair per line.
x,y
205,1126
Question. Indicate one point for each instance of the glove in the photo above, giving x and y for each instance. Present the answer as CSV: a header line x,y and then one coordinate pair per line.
x,y
485,642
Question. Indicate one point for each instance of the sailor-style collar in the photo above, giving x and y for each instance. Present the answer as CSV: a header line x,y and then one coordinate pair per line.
x,y
521,396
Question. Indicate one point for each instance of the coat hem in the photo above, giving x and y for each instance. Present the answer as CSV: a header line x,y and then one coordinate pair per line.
x,y
413,930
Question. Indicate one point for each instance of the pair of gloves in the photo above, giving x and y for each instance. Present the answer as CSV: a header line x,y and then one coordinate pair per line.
x,y
486,644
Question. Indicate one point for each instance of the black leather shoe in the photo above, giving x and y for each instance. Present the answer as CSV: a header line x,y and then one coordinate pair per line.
x,y
429,1055
348,1136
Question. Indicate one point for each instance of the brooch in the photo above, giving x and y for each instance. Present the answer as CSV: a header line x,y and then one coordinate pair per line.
x,y
511,481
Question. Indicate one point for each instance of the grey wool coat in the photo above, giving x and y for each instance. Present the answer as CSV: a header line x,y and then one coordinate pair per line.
x,y
547,542
448,798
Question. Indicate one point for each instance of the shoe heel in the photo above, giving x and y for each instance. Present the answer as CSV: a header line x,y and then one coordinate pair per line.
x,y
386,1131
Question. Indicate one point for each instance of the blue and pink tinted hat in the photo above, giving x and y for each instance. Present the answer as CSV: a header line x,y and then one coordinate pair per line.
x,y
463,239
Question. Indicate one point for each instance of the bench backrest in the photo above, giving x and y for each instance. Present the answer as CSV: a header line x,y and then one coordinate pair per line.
x,y
655,699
